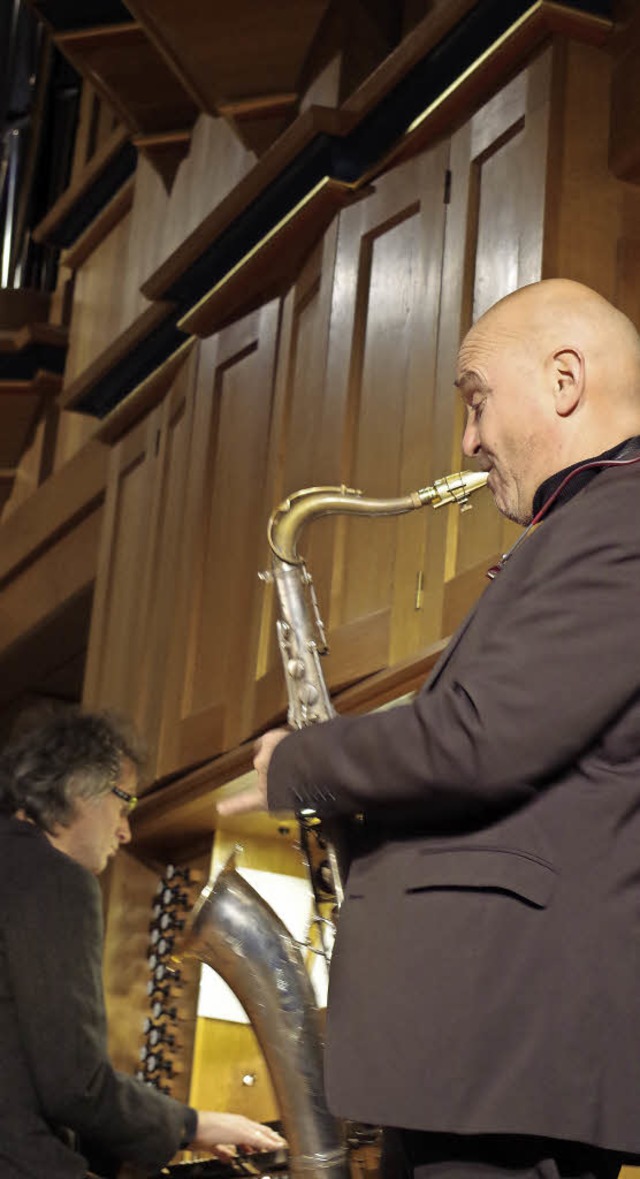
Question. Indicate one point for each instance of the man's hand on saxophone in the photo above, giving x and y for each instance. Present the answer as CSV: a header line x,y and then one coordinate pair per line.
x,y
254,798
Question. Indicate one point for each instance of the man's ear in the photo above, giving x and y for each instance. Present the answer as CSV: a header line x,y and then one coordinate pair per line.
x,y
568,373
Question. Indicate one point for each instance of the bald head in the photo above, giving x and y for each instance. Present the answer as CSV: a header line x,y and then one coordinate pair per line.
x,y
559,312
551,376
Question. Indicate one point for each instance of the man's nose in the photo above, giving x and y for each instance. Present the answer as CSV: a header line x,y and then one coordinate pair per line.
x,y
124,830
470,439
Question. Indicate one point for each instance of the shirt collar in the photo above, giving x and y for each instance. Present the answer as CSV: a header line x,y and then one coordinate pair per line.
x,y
546,490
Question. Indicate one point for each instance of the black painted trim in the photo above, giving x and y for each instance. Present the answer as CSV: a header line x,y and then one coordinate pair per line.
x,y
65,16
27,362
144,359
107,183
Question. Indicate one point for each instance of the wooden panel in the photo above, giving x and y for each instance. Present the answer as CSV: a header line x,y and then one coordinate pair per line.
x,y
85,175
218,184
494,245
298,424
21,404
130,887
113,678
65,498
44,586
104,302
624,149
139,570
47,660
380,394
589,210
101,226
208,705
530,31
223,1054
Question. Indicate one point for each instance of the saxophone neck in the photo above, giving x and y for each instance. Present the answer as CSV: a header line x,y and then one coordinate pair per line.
x,y
289,518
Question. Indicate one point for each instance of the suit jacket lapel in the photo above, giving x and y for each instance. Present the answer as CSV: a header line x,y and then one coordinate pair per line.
x,y
449,650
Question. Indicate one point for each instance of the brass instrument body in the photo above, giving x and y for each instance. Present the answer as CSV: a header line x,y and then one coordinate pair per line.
x,y
236,932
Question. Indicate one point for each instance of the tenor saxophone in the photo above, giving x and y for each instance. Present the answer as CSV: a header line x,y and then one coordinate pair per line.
x,y
302,640
231,928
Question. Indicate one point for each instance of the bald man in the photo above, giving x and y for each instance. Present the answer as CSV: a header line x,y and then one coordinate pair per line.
x,y
485,985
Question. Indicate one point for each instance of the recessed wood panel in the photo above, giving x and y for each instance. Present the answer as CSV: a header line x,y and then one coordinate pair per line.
x,y
215,627
494,245
381,384
238,433
139,567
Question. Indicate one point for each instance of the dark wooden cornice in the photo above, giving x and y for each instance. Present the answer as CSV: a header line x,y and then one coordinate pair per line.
x,y
433,80
299,145
99,183
129,359
270,268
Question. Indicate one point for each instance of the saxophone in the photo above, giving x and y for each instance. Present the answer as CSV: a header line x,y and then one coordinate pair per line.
x,y
237,933
232,929
302,640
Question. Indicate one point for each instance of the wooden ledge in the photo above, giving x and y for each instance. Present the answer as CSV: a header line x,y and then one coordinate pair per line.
x,y
192,797
428,33
127,69
52,227
34,333
98,229
58,504
316,121
270,267
32,351
490,70
118,351
144,397
442,20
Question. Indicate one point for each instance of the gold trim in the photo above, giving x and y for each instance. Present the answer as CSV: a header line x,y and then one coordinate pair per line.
x,y
475,65
540,7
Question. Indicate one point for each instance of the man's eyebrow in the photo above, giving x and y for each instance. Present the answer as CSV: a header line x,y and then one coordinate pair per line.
x,y
468,377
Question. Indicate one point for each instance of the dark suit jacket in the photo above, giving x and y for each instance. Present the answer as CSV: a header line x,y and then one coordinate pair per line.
x,y
54,1069
486,976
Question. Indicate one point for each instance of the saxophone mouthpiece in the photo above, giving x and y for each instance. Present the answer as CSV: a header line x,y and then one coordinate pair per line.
x,y
455,488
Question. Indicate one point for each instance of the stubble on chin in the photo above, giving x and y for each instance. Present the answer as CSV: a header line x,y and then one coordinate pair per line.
x,y
510,507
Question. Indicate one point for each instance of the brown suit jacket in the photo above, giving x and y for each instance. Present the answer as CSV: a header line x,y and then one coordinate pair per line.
x,y
486,975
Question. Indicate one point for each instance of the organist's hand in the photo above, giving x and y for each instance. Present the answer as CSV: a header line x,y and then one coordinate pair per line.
x,y
254,798
220,1133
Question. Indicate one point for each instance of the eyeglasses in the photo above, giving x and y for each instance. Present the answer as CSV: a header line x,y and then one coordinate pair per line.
x,y
130,800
